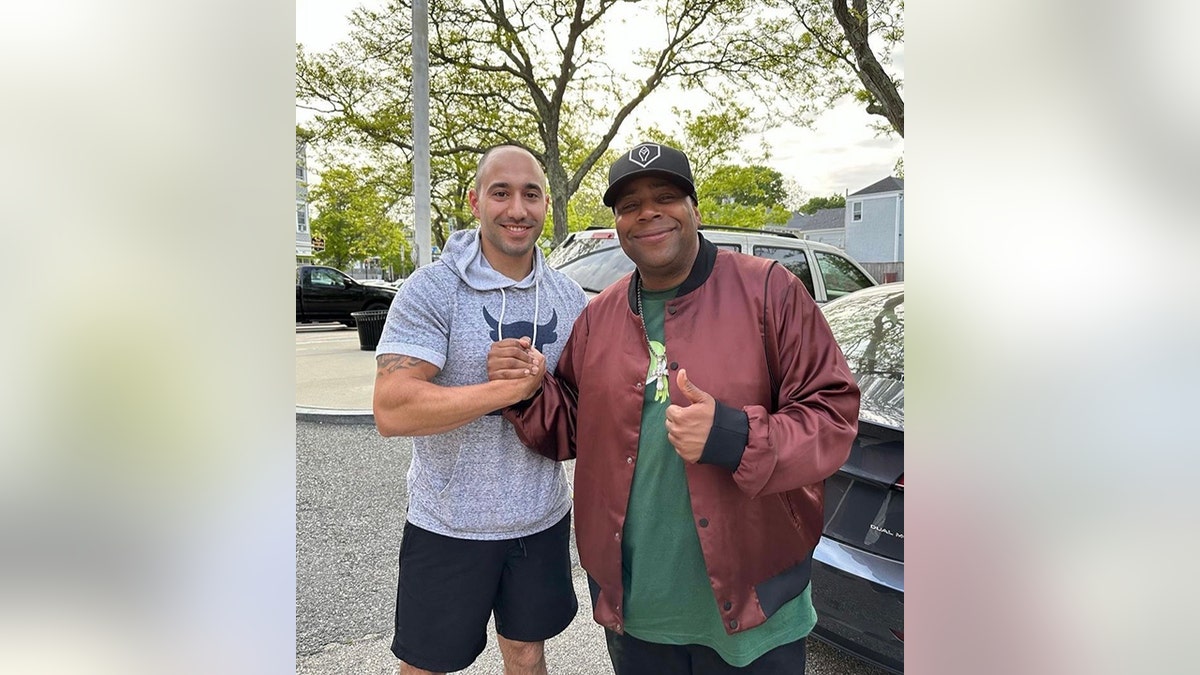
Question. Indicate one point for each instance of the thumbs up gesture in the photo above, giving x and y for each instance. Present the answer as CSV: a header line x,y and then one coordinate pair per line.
x,y
688,426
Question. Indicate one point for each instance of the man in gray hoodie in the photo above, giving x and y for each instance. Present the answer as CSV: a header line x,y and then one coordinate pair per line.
x,y
488,521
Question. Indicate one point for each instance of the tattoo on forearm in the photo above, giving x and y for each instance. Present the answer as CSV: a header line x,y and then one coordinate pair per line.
x,y
390,363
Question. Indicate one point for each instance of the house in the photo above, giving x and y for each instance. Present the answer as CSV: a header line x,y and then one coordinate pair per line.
x,y
874,222
825,225
870,227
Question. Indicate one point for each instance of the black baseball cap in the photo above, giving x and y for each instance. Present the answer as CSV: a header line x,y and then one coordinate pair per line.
x,y
650,158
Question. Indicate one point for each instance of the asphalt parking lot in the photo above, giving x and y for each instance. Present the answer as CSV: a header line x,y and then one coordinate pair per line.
x,y
350,503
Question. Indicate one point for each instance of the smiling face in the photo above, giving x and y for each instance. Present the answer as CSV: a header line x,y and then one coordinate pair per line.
x,y
656,224
510,201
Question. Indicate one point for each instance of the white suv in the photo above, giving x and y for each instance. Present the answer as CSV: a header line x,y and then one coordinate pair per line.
x,y
594,258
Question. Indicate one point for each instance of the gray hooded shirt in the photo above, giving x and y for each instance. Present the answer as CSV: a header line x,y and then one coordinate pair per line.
x,y
478,481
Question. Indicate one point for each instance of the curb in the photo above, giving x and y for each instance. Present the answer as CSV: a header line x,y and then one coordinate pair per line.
x,y
334,415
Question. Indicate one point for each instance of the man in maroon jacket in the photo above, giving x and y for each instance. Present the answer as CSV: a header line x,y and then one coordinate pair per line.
x,y
705,402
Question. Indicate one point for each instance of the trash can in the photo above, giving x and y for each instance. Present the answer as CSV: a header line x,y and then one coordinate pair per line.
x,y
370,327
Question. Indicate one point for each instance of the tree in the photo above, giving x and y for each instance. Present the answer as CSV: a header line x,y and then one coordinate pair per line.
x,y
586,208
352,218
755,185
532,73
710,139
836,46
817,203
730,195
744,196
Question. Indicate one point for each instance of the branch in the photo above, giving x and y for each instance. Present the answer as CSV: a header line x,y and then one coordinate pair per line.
x,y
870,72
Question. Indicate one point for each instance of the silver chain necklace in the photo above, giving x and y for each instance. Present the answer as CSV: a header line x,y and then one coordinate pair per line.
x,y
657,372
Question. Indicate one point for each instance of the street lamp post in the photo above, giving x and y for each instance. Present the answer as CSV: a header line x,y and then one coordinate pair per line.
x,y
421,187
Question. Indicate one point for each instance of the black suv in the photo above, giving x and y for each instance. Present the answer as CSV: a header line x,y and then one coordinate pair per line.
x,y
594,258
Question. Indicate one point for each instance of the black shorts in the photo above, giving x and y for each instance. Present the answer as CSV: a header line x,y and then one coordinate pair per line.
x,y
448,588
631,656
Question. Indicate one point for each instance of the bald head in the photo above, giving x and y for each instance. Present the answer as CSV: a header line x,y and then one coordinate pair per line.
x,y
501,152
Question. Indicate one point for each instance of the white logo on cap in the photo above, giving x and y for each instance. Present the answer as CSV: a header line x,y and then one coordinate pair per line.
x,y
644,154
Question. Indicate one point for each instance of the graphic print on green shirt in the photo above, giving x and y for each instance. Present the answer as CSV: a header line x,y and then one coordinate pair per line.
x,y
668,597
657,377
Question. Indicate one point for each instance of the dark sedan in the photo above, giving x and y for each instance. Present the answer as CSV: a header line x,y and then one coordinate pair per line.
x,y
858,570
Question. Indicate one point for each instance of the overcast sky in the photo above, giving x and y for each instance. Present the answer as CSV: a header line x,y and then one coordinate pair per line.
x,y
841,152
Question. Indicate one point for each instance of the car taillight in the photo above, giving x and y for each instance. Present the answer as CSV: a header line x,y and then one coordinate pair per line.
x,y
601,235
900,483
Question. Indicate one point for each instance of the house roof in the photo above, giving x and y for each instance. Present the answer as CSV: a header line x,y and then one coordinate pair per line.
x,y
824,219
889,184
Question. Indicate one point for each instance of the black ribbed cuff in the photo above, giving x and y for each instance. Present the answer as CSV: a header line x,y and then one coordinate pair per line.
x,y
727,439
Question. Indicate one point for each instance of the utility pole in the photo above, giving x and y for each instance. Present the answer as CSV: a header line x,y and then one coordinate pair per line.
x,y
420,49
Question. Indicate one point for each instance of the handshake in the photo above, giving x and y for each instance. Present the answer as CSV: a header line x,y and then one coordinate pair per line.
x,y
516,362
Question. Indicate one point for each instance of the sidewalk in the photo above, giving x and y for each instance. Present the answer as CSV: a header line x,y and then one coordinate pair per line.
x,y
335,378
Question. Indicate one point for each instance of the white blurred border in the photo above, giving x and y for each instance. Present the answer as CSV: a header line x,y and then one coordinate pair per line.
x,y
1049,162
147,419
147,412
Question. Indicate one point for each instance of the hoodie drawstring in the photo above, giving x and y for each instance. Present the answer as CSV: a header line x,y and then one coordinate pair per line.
x,y
503,306
537,297
537,301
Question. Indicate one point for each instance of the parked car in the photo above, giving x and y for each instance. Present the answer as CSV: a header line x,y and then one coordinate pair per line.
x,y
594,258
328,294
858,567
381,282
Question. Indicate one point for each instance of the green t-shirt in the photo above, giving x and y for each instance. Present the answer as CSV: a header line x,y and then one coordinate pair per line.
x,y
668,597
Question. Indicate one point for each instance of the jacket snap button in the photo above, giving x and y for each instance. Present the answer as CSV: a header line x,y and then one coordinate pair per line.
x,y
638,386
671,309
674,365
728,606
617,535
629,460
704,522
733,624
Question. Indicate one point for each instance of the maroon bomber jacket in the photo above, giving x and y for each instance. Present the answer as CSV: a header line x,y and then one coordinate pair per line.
x,y
749,334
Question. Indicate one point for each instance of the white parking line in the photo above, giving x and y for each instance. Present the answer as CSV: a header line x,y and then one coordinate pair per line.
x,y
352,337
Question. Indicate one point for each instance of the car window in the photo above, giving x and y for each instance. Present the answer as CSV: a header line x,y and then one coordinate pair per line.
x,y
327,278
840,275
737,248
596,271
791,258
869,329
577,248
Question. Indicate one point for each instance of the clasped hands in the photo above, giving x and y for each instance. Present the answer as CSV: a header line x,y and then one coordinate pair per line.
x,y
688,426
516,360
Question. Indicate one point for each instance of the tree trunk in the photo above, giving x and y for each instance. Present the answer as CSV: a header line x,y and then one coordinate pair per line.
x,y
869,71
558,200
556,176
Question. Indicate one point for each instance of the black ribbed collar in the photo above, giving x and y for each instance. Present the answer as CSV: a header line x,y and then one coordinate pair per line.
x,y
701,269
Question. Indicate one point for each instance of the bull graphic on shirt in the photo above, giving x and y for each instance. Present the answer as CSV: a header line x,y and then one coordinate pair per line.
x,y
546,333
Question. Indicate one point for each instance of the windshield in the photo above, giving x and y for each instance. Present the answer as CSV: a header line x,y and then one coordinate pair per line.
x,y
869,327
577,247
596,271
